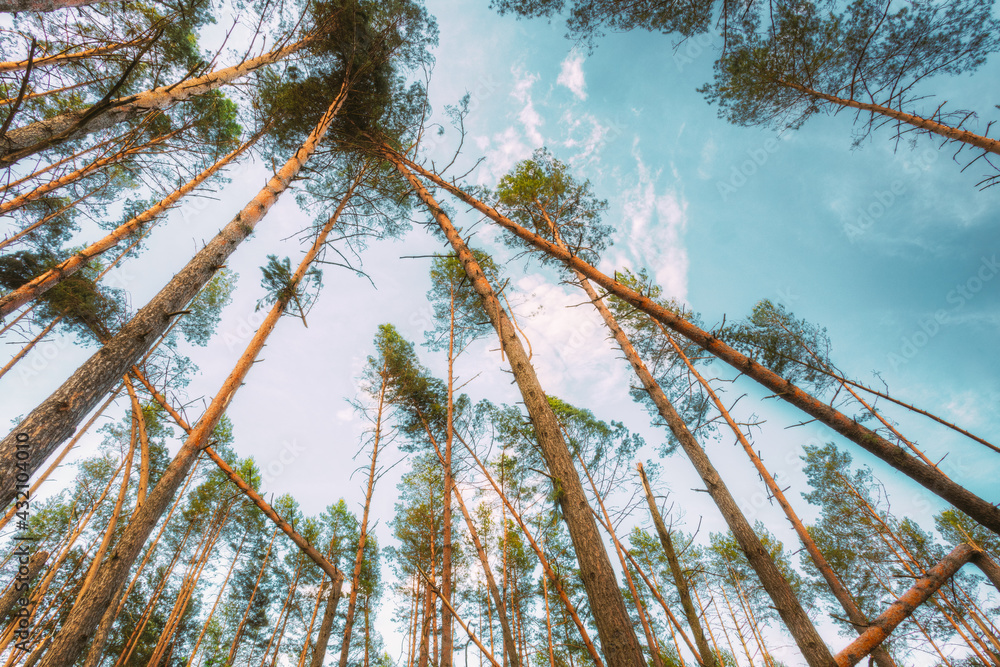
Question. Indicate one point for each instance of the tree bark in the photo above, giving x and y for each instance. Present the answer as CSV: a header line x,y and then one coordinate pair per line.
x,y
35,563
43,134
508,638
56,418
705,655
42,5
39,285
977,508
954,134
840,592
879,629
326,626
618,639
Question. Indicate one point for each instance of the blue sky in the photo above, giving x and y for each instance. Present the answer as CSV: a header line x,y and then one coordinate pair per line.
x,y
789,227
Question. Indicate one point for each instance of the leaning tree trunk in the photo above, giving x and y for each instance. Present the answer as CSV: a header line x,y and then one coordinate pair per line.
x,y
43,134
813,647
55,419
42,5
510,646
933,127
930,478
618,639
85,616
854,614
680,582
326,626
39,285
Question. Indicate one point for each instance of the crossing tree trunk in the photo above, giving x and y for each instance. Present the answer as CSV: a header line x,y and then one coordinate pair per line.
x,y
930,478
55,419
50,132
618,639
707,658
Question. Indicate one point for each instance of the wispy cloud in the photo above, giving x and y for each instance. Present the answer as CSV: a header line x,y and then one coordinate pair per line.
x,y
571,75
654,219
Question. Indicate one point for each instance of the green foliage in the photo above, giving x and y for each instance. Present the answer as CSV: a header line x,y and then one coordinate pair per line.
x,y
541,195
450,287
297,298
866,51
648,337
206,308
796,349
728,562
589,19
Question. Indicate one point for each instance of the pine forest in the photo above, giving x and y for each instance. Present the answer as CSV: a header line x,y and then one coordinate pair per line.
x,y
499,333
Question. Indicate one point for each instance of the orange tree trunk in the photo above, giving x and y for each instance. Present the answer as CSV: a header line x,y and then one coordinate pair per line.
x,y
618,639
977,508
55,419
49,132
704,653
854,614
963,136
84,617
39,285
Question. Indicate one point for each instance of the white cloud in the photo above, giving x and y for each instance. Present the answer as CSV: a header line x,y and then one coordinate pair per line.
x,y
506,148
584,133
654,221
571,75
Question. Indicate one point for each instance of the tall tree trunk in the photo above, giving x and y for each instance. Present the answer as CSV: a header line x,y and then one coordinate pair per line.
x,y
238,635
447,641
510,647
673,622
546,566
704,653
359,558
211,612
42,5
43,134
618,639
326,626
33,566
977,508
85,616
39,285
785,601
954,134
56,418
609,528
857,618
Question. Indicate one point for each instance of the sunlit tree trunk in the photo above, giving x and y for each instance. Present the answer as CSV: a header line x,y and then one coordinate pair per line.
x,y
977,508
54,420
618,639
46,281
